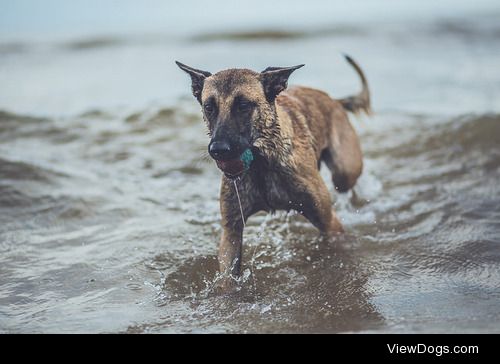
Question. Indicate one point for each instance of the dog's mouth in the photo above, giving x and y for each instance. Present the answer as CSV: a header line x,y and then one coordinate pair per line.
x,y
232,168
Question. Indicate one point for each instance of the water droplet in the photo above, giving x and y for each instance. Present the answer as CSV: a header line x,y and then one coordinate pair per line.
x,y
265,309
246,275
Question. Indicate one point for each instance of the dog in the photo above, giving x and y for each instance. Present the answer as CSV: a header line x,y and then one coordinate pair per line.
x,y
272,139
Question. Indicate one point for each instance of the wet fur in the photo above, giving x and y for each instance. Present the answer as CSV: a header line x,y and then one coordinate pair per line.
x,y
292,132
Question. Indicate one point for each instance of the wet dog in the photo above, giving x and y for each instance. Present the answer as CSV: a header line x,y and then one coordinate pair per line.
x,y
272,139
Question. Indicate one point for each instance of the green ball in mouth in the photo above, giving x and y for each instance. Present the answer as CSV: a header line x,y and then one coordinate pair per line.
x,y
247,157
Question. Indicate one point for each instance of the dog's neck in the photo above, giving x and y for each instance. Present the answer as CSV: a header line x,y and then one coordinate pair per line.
x,y
274,136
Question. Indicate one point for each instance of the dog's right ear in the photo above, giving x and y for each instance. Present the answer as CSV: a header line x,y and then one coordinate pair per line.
x,y
197,79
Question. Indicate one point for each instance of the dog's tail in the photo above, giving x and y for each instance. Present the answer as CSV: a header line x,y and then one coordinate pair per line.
x,y
360,102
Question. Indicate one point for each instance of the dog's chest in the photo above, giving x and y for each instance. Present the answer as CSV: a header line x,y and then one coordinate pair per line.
x,y
274,191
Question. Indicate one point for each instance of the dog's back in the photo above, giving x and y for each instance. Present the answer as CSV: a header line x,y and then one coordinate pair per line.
x,y
329,131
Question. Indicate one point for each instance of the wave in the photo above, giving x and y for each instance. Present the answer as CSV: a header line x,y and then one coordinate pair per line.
x,y
279,34
487,31
94,43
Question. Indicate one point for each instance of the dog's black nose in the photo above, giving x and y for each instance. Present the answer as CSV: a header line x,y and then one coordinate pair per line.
x,y
220,150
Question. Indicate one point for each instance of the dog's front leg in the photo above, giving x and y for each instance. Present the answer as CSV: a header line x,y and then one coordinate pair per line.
x,y
230,247
230,255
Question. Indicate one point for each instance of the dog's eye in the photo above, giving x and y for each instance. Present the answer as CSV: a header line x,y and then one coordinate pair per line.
x,y
244,105
209,108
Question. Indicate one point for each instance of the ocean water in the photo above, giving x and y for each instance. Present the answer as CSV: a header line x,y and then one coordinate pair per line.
x,y
109,215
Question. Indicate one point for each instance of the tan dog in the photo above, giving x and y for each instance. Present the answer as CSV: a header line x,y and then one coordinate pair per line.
x,y
274,140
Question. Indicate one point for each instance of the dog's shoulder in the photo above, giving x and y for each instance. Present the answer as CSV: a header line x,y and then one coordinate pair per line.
x,y
312,113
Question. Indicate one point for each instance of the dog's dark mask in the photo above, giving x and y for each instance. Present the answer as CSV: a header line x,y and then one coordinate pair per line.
x,y
235,102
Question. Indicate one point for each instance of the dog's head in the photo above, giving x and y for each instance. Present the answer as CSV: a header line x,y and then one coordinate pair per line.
x,y
235,103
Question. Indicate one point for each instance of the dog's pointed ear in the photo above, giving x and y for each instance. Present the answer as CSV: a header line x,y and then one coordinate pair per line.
x,y
275,80
197,79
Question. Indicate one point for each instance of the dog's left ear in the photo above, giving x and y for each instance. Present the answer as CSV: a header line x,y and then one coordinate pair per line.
x,y
275,80
197,79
